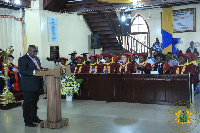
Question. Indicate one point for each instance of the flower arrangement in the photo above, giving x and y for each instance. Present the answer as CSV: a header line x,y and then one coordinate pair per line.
x,y
70,85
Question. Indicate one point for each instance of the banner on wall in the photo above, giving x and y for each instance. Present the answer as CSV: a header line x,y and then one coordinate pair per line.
x,y
53,29
184,20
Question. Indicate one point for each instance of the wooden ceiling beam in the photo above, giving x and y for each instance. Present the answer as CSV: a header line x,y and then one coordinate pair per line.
x,y
95,5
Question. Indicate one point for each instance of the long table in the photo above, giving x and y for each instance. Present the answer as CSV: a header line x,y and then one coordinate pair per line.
x,y
159,89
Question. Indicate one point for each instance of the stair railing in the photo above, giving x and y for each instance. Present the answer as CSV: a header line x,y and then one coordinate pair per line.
x,y
114,24
133,45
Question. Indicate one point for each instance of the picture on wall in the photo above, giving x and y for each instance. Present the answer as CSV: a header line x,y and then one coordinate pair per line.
x,y
54,52
53,29
184,20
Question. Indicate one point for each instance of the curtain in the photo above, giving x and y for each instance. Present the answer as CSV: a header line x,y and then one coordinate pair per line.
x,y
11,32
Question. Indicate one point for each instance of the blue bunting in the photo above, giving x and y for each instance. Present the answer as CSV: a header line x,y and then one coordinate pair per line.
x,y
166,39
174,42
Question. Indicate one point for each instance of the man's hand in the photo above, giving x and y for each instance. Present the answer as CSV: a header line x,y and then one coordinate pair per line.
x,y
15,70
45,69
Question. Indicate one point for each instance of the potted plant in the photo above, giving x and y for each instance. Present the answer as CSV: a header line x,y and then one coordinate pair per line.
x,y
70,85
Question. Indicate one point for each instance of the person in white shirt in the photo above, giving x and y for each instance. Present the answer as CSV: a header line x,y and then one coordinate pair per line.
x,y
172,62
157,46
152,60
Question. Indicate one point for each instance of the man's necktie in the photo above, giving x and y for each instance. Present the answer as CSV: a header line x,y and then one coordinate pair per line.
x,y
38,67
93,69
106,69
159,67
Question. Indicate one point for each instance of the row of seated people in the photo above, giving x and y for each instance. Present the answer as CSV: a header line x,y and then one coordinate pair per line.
x,y
123,65
114,64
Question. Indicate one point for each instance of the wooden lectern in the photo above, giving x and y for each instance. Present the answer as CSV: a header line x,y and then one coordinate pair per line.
x,y
54,118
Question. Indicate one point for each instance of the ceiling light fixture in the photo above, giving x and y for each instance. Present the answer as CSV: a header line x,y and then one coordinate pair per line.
x,y
17,2
135,2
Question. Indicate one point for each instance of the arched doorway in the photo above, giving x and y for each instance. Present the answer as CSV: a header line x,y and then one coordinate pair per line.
x,y
140,31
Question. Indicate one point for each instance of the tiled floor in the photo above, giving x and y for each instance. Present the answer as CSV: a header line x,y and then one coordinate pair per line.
x,y
97,117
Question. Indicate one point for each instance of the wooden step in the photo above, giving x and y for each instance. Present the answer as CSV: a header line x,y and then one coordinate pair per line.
x,y
110,44
98,24
108,36
103,32
94,16
102,28
112,40
92,20
111,47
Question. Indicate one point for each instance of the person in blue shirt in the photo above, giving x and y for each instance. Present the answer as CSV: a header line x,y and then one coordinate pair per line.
x,y
157,46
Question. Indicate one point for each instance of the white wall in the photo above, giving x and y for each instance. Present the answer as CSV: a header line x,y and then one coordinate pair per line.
x,y
73,33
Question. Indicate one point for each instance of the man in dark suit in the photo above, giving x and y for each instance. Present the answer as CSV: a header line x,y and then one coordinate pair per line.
x,y
191,49
30,84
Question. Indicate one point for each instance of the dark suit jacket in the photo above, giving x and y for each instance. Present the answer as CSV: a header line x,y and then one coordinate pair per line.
x,y
29,82
188,50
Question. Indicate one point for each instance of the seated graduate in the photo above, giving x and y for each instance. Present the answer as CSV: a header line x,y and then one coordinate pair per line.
x,y
108,66
152,60
116,59
161,66
73,62
101,60
184,67
63,61
191,58
196,54
172,62
85,57
124,67
80,67
13,73
131,58
94,66
191,61
142,66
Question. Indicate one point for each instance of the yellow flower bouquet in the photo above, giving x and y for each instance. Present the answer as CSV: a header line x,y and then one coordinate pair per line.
x,y
70,85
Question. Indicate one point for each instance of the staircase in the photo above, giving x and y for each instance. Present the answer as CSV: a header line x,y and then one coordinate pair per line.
x,y
99,24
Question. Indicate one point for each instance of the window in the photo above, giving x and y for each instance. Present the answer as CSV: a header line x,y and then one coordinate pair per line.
x,y
139,25
140,31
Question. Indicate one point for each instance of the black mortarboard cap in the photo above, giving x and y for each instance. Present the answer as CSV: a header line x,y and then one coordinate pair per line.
x,y
84,54
11,56
73,54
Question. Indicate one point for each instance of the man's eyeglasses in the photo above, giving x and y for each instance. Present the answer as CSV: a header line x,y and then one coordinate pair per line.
x,y
34,51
